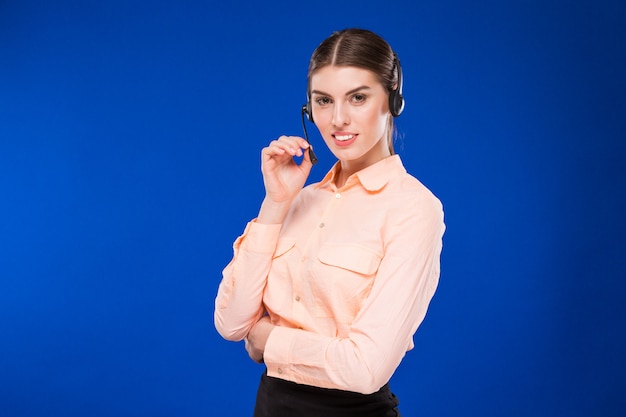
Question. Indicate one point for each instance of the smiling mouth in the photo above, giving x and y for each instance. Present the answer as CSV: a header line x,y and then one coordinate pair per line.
x,y
343,139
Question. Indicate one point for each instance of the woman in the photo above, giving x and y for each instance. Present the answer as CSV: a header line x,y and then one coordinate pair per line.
x,y
329,283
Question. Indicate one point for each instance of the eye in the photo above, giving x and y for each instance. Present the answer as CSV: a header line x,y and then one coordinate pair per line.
x,y
323,100
358,98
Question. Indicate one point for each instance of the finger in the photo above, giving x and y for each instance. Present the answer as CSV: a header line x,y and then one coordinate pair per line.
x,y
276,155
247,346
306,163
253,353
303,143
296,144
281,148
275,148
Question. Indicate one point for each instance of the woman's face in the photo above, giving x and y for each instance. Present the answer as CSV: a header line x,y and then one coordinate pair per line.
x,y
351,109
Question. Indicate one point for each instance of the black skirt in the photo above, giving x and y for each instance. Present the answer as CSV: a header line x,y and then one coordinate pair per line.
x,y
279,398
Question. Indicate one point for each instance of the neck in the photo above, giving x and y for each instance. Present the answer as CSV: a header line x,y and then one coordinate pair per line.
x,y
378,152
348,168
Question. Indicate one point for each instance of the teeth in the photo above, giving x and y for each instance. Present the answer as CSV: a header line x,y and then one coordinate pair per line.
x,y
343,137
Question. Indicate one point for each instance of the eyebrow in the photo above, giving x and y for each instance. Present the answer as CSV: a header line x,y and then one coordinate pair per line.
x,y
354,90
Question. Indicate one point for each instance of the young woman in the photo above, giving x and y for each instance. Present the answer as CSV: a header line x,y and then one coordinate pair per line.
x,y
329,283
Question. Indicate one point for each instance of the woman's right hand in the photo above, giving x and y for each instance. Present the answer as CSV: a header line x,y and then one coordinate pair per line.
x,y
282,176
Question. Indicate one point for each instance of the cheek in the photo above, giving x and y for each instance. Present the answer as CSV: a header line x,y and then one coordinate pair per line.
x,y
378,123
322,116
323,120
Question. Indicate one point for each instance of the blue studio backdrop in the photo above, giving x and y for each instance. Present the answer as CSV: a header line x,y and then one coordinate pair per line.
x,y
130,134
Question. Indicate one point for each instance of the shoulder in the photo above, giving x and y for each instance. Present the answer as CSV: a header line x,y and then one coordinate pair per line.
x,y
413,209
402,186
410,190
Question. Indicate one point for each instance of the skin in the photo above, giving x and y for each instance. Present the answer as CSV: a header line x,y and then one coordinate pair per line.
x,y
350,101
347,103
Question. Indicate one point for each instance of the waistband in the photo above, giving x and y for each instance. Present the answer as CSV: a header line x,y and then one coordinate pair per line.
x,y
277,397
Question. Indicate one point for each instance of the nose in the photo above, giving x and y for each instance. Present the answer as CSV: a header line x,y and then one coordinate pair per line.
x,y
340,115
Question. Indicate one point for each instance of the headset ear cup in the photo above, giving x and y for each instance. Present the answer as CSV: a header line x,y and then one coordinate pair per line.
x,y
396,103
396,100
309,111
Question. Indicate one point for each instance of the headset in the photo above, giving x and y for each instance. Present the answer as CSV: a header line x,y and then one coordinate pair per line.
x,y
396,99
396,105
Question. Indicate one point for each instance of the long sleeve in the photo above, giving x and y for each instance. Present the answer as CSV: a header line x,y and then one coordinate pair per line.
x,y
382,330
238,304
346,279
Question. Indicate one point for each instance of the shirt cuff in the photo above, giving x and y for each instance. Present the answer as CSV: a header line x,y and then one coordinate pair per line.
x,y
298,356
277,354
260,238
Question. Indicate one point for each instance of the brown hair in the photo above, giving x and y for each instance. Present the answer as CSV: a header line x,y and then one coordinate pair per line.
x,y
363,49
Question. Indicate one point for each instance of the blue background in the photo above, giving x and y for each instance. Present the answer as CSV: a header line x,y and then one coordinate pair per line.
x,y
130,134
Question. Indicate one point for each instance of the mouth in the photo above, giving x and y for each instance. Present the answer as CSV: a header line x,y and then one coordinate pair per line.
x,y
344,139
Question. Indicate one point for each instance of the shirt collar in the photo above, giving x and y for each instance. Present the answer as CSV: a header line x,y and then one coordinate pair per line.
x,y
372,178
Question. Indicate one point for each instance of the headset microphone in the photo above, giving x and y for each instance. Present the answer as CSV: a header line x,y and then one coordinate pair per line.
x,y
306,111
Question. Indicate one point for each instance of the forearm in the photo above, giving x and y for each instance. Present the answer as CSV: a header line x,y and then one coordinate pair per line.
x,y
349,363
273,212
239,301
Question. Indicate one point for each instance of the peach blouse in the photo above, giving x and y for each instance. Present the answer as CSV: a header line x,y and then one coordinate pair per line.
x,y
347,278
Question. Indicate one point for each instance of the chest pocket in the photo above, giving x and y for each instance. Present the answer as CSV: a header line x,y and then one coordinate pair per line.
x,y
355,258
344,277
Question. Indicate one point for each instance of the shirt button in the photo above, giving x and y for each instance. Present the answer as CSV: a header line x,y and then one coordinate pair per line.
x,y
321,225
297,298
338,195
280,371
